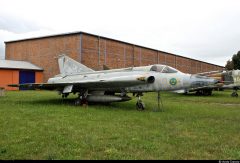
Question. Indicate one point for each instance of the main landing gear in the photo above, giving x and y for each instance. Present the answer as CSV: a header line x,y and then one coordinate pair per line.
x,y
82,98
234,94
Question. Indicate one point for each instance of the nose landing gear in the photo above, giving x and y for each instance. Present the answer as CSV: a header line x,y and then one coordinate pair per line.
x,y
140,105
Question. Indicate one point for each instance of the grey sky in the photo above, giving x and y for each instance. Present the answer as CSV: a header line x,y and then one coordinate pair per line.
x,y
207,30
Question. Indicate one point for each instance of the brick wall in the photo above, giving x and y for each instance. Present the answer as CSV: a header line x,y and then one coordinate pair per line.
x,y
94,52
43,52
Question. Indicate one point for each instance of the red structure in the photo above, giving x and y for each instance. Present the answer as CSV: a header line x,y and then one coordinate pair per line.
x,y
19,72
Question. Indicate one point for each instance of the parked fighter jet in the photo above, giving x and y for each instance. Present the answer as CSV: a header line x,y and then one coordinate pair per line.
x,y
227,80
113,85
206,91
231,80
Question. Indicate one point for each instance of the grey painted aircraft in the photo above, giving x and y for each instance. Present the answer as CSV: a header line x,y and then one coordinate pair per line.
x,y
227,80
204,91
108,86
232,81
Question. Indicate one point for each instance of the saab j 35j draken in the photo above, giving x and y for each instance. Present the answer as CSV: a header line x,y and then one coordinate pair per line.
x,y
108,86
229,79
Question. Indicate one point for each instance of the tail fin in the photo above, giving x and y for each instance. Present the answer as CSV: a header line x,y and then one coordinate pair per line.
x,y
68,66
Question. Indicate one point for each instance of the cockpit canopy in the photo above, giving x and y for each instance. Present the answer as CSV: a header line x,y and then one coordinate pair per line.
x,y
163,69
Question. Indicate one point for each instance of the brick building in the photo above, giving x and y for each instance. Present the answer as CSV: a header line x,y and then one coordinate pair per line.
x,y
94,51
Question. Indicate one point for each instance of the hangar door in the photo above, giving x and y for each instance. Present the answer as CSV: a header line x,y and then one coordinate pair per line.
x,y
26,77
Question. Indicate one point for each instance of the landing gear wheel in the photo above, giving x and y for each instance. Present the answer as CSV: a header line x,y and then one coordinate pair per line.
x,y
82,98
140,106
234,94
84,102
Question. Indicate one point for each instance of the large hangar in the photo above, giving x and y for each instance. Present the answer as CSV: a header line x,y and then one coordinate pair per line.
x,y
95,51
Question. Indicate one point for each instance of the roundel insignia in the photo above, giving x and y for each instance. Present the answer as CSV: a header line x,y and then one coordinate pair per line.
x,y
173,81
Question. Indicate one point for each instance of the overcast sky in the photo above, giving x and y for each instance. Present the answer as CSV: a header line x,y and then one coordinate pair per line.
x,y
208,30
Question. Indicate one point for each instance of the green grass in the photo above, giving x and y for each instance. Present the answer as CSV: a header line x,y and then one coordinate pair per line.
x,y
40,125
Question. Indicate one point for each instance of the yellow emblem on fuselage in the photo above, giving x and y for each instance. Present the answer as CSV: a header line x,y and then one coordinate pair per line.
x,y
141,78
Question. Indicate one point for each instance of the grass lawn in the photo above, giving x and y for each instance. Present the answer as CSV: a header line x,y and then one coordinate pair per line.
x,y
40,125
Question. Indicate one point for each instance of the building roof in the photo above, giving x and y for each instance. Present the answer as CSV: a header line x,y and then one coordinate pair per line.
x,y
23,65
107,38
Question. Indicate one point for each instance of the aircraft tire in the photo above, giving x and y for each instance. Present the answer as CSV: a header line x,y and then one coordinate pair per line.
x,y
234,94
140,106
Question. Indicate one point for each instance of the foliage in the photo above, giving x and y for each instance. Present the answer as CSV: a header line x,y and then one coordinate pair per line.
x,y
236,61
233,64
229,65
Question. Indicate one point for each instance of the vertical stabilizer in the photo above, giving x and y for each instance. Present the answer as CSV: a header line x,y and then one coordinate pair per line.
x,y
68,66
236,76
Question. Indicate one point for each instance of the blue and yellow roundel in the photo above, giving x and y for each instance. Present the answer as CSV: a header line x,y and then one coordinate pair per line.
x,y
173,81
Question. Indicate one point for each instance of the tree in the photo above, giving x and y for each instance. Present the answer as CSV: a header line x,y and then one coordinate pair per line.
x,y
229,65
234,64
236,61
